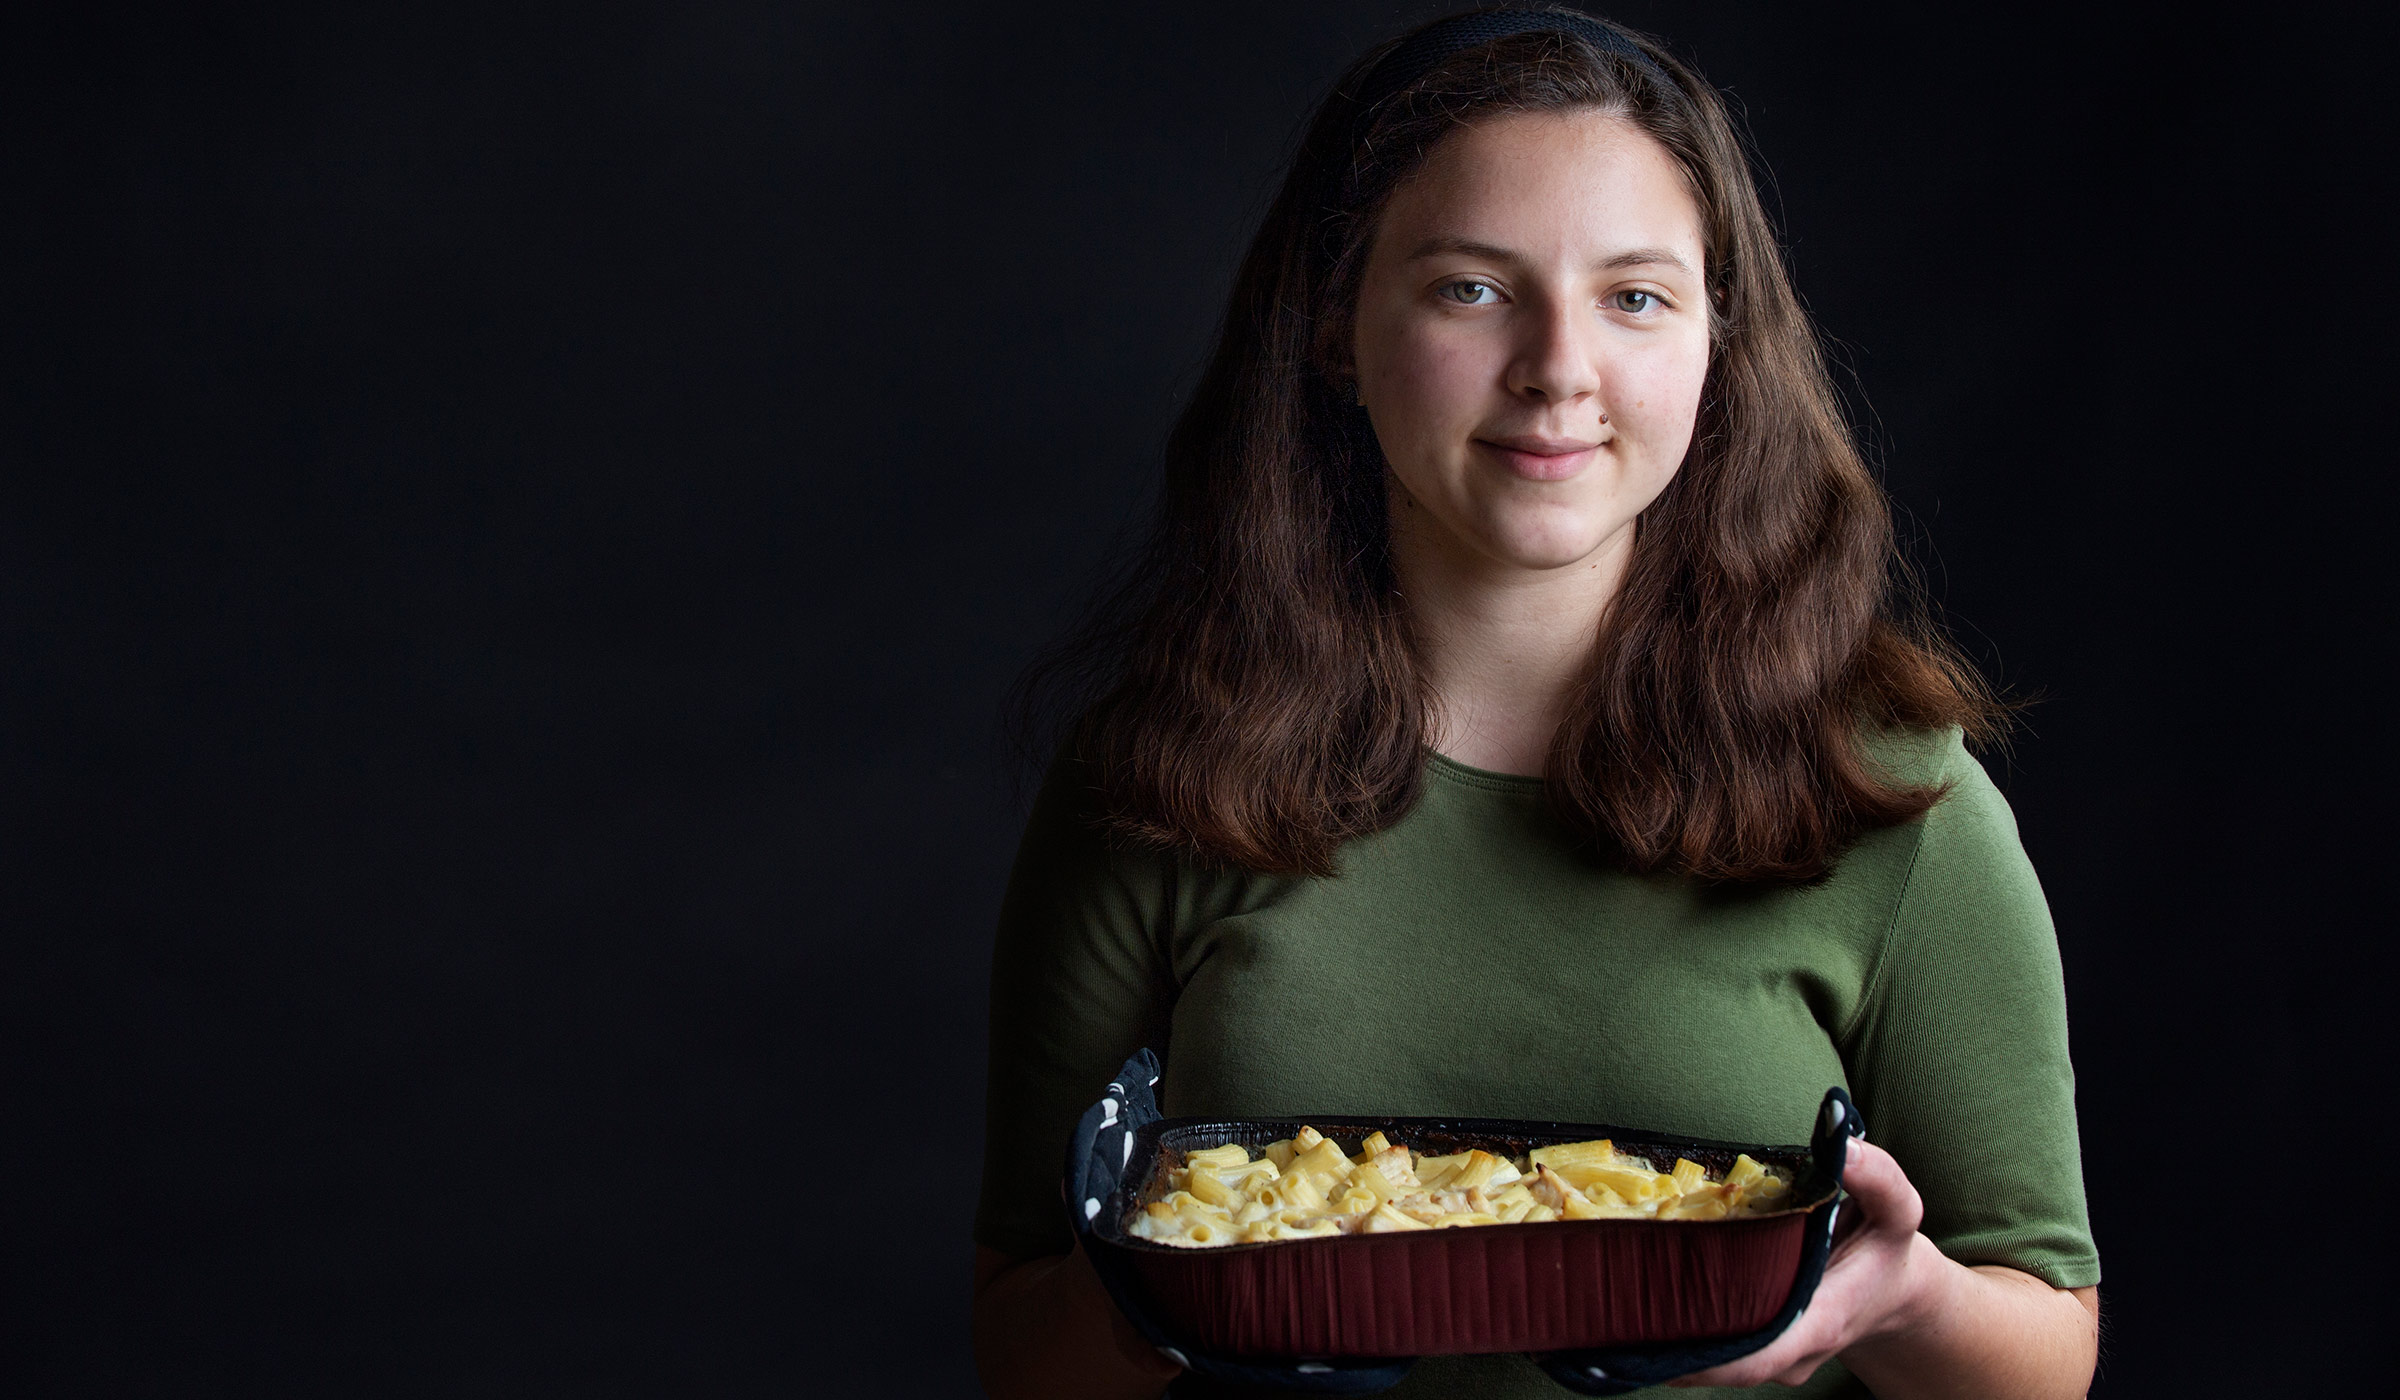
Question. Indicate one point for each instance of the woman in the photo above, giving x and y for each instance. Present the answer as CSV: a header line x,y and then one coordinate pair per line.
x,y
1510,718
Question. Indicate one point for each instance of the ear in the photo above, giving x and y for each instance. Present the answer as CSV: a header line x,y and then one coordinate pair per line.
x,y
1335,358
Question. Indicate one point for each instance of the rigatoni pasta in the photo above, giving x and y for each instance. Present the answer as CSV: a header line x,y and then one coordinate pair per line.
x,y
1305,1186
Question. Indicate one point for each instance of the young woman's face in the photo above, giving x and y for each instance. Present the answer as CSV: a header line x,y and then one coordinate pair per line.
x,y
1532,335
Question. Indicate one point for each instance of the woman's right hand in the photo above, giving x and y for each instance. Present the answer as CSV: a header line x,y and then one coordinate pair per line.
x,y
1045,1329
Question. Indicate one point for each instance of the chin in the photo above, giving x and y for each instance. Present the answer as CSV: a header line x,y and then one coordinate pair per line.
x,y
1548,546
1553,560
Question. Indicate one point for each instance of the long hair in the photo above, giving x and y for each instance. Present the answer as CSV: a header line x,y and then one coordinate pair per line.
x,y
1251,694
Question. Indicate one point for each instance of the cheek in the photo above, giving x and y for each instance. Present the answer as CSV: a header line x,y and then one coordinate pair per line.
x,y
1434,368
1419,382
1660,401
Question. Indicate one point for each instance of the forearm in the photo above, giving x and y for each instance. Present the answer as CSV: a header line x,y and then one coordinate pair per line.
x,y
1044,1329
1986,1331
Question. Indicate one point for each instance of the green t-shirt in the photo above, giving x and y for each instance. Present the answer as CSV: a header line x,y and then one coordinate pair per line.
x,y
1474,960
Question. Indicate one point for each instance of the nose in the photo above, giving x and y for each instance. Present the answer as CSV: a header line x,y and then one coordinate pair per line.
x,y
1556,360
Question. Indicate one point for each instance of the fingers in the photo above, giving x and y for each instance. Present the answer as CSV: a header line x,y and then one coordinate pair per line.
x,y
1801,1348
1788,1360
1885,1211
1882,1190
1806,1371
1756,1370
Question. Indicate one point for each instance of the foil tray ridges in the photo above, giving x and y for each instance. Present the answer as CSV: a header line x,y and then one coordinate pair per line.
x,y
1553,1286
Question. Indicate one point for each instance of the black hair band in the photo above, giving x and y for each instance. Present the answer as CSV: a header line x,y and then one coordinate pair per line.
x,y
1429,47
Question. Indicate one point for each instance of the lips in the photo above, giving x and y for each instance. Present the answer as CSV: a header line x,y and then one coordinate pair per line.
x,y
1538,458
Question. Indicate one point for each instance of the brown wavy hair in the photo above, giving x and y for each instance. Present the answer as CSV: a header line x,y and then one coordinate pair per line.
x,y
1250,691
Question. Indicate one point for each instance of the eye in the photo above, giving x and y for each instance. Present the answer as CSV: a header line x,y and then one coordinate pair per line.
x,y
1469,292
1634,301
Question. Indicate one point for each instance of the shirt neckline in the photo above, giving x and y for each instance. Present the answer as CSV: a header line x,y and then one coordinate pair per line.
x,y
1448,767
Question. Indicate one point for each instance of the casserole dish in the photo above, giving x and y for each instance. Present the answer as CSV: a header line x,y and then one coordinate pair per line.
x,y
1605,1306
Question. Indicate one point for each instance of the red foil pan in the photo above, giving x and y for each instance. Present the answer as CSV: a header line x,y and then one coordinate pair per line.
x,y
1562,1285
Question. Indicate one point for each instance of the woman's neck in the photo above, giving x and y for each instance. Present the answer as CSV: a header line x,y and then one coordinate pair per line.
x,y
1503,646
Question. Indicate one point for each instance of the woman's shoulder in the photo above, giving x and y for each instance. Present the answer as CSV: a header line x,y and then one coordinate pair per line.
x,y
1969,825
1074,847
1919,757
1068,829
1965,849
1939,759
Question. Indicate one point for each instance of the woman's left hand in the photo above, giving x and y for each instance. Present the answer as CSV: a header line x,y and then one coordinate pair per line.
x,y
1910,1321
1878,1280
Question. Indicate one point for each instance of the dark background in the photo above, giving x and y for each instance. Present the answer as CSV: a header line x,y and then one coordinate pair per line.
x,y
517,526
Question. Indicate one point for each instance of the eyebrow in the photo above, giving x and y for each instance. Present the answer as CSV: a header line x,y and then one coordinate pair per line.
x,y
1631,257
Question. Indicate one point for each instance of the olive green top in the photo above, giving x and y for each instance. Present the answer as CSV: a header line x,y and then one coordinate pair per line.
x,y
1474,960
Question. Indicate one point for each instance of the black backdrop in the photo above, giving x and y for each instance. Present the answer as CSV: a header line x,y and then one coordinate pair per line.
x,y
517,525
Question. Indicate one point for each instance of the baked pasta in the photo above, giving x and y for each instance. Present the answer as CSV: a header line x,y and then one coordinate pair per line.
x,y
1306,1186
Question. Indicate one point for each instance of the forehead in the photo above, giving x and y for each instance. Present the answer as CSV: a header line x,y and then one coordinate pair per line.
x,y
1572,184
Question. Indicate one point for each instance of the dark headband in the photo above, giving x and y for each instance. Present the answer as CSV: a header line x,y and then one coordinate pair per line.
x,y
1421,52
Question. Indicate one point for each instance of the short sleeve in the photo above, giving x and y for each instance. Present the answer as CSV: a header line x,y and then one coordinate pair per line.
x,y
1958,1055
1080,980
